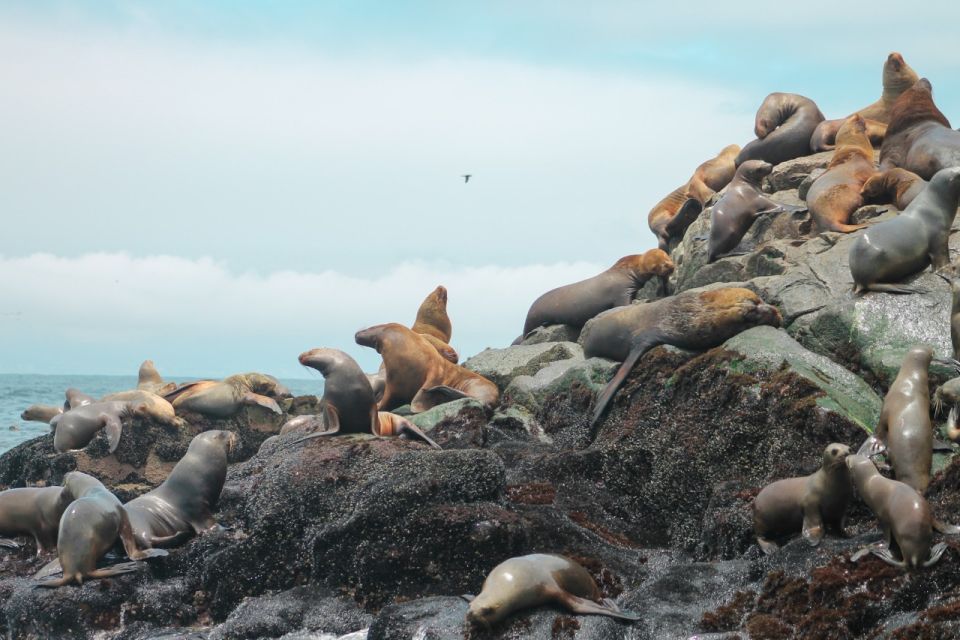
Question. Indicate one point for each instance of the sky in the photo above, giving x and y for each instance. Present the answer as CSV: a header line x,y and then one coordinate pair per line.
x,y
220,186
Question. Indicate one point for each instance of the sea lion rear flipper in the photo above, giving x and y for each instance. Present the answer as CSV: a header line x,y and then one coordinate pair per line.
x,y
887,556
262,401
9,544
169,541
886,287
51,568
115,570
172,394
684,217
113,428
944,528
429,398
603,400
935,552
582,605
331,420
414,432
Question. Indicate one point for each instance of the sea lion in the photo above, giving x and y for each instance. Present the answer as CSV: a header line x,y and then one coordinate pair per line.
x,y
225,398
35,511
432,318
892,250
835,195
670,217
348,401
919,137
949,394
740,206
88,528
530,581
897,78
74,429
904,516
417,374
808,504
574,304
149,403
690,320
40,413
183,505
148,379
894,186
784,125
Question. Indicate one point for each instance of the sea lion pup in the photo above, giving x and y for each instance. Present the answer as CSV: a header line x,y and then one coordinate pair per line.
x,y
88,528
919,137
784,125
670,217
40,413
904,517
695,320
417,374
348,401
835,195
897,78
807,504
225,398
574,304
183,505
74,429
892,250
894,186
35,511
530,581
148,379
739,207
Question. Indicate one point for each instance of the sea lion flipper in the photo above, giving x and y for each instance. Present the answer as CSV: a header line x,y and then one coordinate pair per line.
x,y
262,401
767,546
429,398
113,428
603,400
935,552
172,394
872,446
115,570
884,554
9,544
331,418
51,568
944,528
886,287
582,605
684,217
812,525
407,428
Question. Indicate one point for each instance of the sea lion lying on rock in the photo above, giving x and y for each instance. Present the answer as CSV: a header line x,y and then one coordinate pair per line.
x,y
74,429
690,320
40,413
784,125
894,186
225,398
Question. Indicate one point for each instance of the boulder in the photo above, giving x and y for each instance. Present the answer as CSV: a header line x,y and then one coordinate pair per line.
x,y
552,333
503,365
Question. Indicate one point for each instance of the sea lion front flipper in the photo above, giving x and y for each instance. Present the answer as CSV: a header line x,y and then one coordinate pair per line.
x,y
812,525
115,570
603,400
262,401
944,528
935,552
582,605
884,554
114,429
429,398
169,541
886,287
9,544
129,541
331,420
51,568
872,446
767,546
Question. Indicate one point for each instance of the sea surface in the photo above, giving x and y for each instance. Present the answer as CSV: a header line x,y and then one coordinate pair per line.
x,y
17,392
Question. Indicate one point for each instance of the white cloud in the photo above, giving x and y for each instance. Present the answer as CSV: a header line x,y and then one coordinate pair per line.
x,y
104,312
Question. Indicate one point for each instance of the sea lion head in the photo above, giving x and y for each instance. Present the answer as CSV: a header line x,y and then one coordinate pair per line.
x,y
76,484
915,105
439,295
323,360
835,456
754,171
148,373
741,306
655,262
432,316
897,74
489,607
875,187
228,440
947,181
948,393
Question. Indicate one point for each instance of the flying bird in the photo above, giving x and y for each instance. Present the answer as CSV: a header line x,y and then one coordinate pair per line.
x,y
466,177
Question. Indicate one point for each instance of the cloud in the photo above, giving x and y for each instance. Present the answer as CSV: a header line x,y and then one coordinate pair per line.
x,y
105,312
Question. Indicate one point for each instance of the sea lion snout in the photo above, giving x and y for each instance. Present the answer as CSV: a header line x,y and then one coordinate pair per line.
x,y
764,314
896,61
367,337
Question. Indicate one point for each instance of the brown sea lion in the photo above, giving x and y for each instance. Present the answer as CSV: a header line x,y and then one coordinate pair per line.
x,y
670,217
894,186
897,78
32,511
740,206
574,304
919,137
40,413
784,124
807,504
895,249
148,379
88,528
225,398
417,374
183,505
432,318
904,516
835,195
530,581
74,429
690,320
348,401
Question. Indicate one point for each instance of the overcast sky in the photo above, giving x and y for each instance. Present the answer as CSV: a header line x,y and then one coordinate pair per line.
x,y
219,189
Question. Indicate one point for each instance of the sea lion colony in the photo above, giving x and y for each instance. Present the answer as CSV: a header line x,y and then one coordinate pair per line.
x,y
920,154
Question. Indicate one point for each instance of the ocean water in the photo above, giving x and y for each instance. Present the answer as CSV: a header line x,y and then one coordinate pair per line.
x,y
17,392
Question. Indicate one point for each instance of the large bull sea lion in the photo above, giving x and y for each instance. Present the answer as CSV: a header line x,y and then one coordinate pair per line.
x,y
919,137
784,124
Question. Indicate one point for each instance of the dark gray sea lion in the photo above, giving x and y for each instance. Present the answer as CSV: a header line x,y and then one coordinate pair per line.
x,y
740,206
225,398
894,186
807,504
904,516
919,137
88,528
32,511
689,320
892,250
148,379
784,125
530,581
835,194
183,505
40,413
574,304
348,401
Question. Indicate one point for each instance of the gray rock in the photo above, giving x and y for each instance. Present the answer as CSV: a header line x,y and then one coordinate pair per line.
x,y
503,365
789,174
530,392
552,333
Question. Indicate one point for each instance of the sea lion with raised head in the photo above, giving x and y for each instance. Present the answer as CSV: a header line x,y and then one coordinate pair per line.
x,y
348,402
670,217
919,137
824,137
574,304
225,398
74,429
835,194
784,125
808,504
740,206
417,374
433,323
148,379
694,320
533,580
88,528
894,186
904,515
892,250
40,413
32,511
183,505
